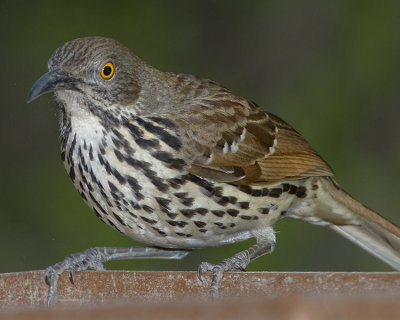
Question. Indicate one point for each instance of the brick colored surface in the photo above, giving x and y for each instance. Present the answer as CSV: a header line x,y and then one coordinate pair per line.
x,y
179,295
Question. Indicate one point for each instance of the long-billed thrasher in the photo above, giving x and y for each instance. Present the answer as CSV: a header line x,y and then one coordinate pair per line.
x,y
179,162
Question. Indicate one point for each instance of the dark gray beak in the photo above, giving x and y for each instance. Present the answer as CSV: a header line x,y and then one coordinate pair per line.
x,y
53,80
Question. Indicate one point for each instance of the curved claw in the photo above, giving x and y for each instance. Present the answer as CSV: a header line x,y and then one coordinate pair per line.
x,y
199,273
72,263
203,267
71,276
46,279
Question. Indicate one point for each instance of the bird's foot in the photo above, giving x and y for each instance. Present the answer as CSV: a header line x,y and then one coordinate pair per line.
x,y
88,259
238,262
93,258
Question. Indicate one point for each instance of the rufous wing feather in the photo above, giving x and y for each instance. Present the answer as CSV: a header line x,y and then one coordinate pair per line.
x,y
233,140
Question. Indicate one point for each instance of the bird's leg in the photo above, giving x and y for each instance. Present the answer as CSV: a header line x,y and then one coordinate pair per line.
x,y
93,258
265,244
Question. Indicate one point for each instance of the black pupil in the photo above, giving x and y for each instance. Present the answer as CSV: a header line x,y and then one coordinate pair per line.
x,y
107,70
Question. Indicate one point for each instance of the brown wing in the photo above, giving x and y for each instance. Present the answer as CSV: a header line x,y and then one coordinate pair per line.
x,y
230,139
293,157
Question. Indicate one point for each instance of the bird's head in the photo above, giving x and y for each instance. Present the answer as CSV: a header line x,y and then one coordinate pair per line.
x,y
91,72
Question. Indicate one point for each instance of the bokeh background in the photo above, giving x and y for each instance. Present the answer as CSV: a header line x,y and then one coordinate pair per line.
x,y
330,68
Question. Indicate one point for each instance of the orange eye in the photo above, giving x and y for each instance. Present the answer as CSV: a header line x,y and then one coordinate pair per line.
x,y
107,71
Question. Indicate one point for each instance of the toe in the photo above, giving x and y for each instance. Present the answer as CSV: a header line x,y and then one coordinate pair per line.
x,y
203,267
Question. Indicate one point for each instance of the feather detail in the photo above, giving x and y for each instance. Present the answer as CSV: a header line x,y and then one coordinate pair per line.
x,y
222,130
369,230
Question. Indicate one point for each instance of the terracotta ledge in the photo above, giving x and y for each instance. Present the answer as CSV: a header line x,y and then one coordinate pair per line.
x,y
264,292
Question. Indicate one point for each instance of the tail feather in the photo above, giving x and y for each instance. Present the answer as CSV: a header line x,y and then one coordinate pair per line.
x,y
372,232
377,242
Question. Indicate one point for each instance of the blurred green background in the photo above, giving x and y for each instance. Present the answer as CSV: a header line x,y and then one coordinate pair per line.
x,y
330,68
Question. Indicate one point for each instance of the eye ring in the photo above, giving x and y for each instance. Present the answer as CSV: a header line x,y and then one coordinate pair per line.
x,y
107,71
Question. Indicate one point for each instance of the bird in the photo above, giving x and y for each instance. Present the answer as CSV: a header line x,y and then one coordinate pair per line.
x,y
179,162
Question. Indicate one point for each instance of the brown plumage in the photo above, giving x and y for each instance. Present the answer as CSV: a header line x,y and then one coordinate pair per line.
x,y
176,161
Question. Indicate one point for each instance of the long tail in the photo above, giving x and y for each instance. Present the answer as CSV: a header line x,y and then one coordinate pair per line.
x,y
370,231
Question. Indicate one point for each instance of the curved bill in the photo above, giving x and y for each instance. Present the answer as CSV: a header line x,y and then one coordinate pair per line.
x,y
53,80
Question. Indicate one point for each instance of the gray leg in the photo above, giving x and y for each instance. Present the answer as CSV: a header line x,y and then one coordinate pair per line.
x,y
93,258
265,244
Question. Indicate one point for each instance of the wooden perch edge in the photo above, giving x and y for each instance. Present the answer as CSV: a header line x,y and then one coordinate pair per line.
x,y
263,291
